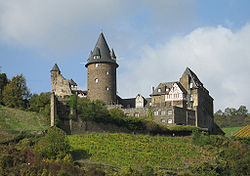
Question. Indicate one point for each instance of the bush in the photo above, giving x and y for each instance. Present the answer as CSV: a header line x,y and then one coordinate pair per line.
x,y
53,145
200,138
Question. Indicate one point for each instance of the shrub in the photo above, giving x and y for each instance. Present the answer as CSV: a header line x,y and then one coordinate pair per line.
x,y
200,138
53,145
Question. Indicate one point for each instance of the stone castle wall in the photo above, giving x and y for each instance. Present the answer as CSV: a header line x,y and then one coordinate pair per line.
x,y
102,82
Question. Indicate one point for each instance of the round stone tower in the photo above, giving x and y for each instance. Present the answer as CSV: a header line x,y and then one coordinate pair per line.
x,y
102,73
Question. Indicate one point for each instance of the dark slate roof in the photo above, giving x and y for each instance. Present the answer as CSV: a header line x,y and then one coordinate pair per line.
x,y
55,68
126,103
72,82
101,49
197,83
165,85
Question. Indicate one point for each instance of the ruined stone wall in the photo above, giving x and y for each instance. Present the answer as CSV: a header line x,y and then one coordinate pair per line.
x,y
102,82
60,85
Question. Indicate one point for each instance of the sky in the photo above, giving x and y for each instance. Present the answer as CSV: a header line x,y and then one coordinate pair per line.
x,y
154,41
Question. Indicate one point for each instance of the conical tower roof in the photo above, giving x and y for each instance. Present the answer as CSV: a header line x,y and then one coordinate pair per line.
x,y
194,77
101,53
55,68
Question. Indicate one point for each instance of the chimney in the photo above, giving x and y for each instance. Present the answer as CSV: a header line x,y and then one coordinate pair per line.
x,y
153,88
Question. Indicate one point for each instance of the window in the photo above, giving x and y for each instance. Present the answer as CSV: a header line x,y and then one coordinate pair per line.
x,y
96,65
96,57
163,113
107,88
163,120
156,113
191,98
96,80
136,114
170,121
167,89
107,73
191,85
126,114
159,90
169,112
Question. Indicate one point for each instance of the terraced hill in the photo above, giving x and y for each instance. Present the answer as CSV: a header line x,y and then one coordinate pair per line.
x,y
244,132
119,149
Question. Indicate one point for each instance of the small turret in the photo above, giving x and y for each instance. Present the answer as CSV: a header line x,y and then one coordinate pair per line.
x,y
56,68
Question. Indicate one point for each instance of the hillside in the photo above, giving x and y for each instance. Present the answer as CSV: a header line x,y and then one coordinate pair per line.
x,y
14,122
120,150
230,131
244,132
231,121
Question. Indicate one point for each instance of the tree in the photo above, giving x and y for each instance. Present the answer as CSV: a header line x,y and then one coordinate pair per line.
x,y
242,111
219,113
3,82
53,145
38,103
16,93
91,110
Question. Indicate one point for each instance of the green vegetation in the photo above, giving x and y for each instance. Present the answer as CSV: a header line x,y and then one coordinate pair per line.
x,y
16,93
232,157
232,117
40,104
15,122
3,82
53,145
230,131
122,150
244,132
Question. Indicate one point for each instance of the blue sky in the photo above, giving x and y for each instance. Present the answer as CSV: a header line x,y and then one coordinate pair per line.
x,y
154,40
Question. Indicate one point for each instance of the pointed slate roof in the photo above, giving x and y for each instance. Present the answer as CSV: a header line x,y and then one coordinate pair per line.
x,y
165,85
102,50
197,83
72,82
55,68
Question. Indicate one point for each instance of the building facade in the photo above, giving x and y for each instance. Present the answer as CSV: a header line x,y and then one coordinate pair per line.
x,y
183,102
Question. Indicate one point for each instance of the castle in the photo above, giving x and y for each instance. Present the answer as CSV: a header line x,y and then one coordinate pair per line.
x,y
183,102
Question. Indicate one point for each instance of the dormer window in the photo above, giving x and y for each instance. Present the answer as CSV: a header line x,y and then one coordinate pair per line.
x,y
159,90
96,57
191,85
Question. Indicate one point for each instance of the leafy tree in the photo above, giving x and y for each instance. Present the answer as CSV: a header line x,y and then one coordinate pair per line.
x,y
3,82
16,93
242,111
219,113
53,145
90,110
39,103
116,113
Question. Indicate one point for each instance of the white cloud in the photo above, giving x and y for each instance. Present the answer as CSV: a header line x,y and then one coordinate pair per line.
x,y
61,25
53,23
219,57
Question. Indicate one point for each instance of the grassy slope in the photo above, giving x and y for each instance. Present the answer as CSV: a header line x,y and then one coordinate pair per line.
x,y
230,131
120,150
14,121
